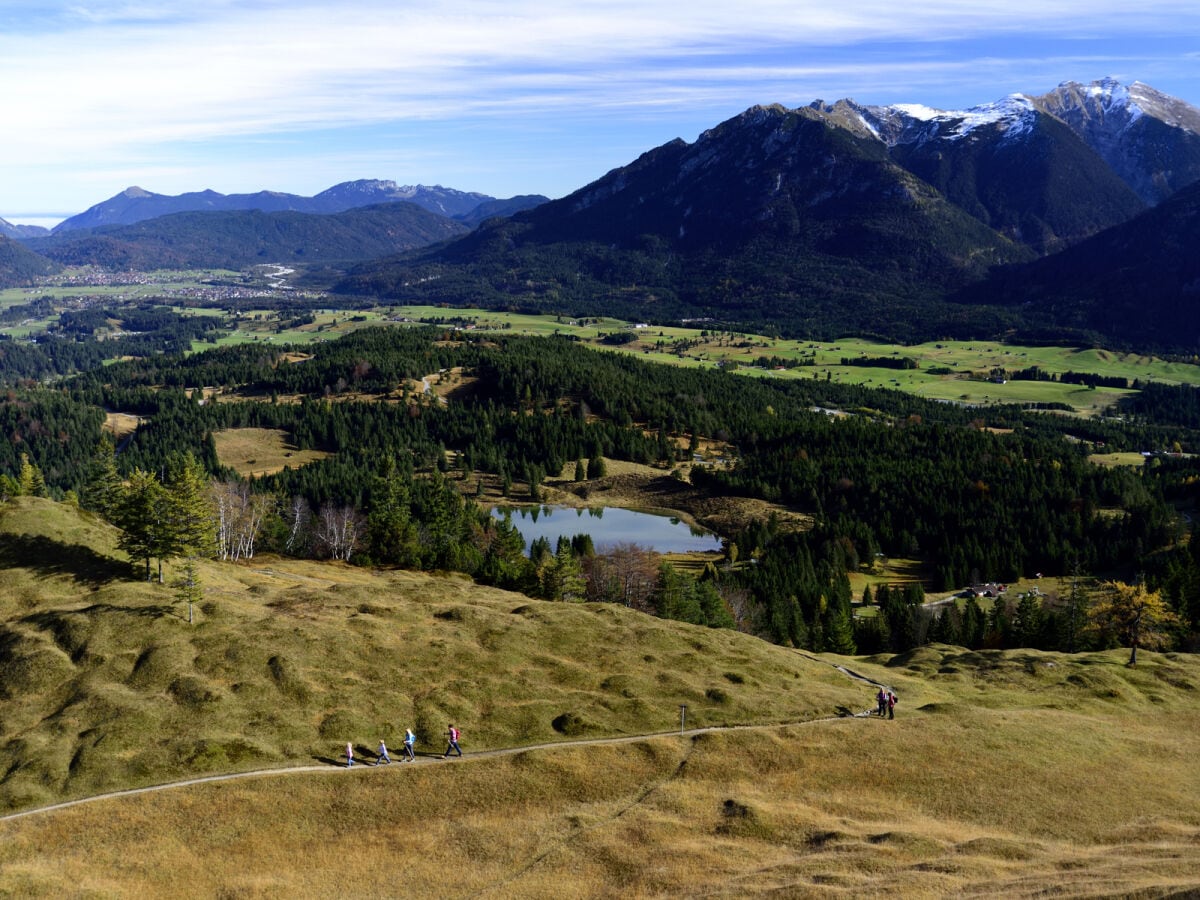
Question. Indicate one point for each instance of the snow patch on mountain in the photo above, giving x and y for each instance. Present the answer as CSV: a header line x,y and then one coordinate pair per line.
x,y
919,112
1015,114
915,123
1114,98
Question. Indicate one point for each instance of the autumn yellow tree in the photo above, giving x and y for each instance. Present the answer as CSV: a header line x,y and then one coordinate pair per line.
x,y
1135,616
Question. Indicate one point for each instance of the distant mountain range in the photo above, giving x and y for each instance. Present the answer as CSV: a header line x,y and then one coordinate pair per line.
x,y
1070,215
8,229
134,204
235,239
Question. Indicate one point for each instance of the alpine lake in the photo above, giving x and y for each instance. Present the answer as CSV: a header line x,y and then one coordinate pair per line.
x,y
608,526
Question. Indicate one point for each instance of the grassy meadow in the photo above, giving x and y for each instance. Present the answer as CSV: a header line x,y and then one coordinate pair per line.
x,y
952,371
254,452
105,685
1005,773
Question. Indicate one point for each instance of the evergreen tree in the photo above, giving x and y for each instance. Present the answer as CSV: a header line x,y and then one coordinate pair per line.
x,y
947,627
102,490
190,521
998,630
675,597
973,624
30,482
141,518
391,535
1027,622
596,468
870,634
562,578
839,630
187,587
715,609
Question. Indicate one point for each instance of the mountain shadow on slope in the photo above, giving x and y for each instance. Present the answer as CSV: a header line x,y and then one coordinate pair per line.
x,y
1137,284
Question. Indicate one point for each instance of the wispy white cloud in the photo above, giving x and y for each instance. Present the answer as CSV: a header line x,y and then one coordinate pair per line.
x,y
111,83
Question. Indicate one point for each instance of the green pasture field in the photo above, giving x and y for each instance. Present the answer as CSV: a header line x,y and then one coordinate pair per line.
x,y
152,284
28,327
262,326
970,363
1132,459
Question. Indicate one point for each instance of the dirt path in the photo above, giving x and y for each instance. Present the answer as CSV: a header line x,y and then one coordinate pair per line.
x,y
436,759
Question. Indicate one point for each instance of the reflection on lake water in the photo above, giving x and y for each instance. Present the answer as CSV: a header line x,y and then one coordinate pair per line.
x,y
608,526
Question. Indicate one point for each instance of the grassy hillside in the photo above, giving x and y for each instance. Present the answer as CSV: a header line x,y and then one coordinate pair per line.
x,y
1005,773
105,685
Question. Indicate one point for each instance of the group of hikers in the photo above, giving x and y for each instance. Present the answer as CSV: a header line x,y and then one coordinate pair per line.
x,y
885,700
410,739
886,703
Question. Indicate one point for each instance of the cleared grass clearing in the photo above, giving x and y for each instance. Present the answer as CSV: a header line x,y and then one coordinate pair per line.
x,y
121,424
1131,459
253,452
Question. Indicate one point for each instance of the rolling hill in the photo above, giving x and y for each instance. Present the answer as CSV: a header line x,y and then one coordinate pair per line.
x,y
1005,773
19,265
104,684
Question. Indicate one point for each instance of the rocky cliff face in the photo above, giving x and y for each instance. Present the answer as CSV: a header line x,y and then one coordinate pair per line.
x,y
1150,139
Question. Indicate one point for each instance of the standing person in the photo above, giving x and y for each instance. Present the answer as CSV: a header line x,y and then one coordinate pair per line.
x,y
382,755
453,734
409,740
349,754
881,702
891,703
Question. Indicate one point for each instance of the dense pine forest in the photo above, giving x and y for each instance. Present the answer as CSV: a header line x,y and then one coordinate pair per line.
x,y
974,493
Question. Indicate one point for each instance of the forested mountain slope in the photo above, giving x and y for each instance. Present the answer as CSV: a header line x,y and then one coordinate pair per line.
x,y
244,238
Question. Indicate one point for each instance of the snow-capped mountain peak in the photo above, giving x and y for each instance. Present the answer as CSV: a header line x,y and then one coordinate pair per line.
x,y
905,123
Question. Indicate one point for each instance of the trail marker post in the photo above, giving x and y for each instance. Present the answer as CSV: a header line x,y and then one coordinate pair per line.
x,y
682,716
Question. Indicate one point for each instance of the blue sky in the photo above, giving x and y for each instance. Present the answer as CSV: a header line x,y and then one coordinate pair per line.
x,y
522,96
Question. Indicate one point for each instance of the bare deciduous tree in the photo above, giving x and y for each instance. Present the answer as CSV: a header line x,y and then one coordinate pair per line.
x,y
339,531
626,573
240,515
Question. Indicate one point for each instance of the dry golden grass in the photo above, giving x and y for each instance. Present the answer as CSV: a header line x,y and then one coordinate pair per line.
x,y
978,801
105,685
121,424
253,452
1013,773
